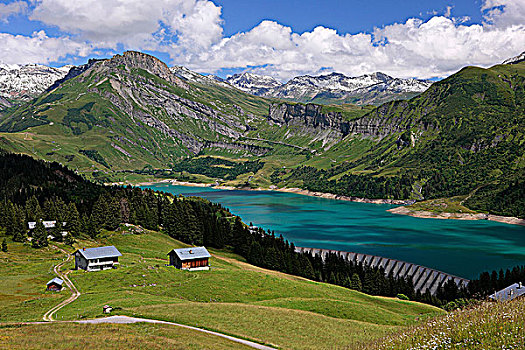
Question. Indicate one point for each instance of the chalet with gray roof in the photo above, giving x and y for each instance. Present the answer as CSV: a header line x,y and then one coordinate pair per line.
x,y
192,259
511,292
96,259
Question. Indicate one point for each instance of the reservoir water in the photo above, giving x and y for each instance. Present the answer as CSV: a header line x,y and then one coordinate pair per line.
x,y
462,248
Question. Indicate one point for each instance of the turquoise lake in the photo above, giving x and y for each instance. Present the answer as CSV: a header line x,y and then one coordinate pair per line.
x,y
463,248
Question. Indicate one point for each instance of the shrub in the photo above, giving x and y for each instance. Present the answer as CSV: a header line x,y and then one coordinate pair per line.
x,y
402,297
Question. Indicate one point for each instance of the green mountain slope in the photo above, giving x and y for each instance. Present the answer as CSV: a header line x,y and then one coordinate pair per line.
x,y
463,134
128,112
234,297
462,137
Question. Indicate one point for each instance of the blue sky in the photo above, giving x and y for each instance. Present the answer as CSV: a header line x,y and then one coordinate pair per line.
x,y
407,38
346,16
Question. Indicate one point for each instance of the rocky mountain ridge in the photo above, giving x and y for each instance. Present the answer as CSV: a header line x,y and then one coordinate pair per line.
x,y
137,106
189,75
27,81
255,84
22,82
333,87
517,59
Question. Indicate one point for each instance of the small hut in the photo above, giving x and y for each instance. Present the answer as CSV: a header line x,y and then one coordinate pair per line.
x,y
192,259
55,284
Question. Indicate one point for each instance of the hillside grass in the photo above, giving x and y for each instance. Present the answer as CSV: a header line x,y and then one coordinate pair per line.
x,y
109,336
442,205
490,325
233,297
25,272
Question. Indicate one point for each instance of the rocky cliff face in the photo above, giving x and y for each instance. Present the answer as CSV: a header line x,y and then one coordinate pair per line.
x,y
73,72
139,60
310,117
169,105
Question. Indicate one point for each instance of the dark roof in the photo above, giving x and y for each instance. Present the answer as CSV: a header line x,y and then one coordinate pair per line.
x,y
99,252
509,293
56,280
191,253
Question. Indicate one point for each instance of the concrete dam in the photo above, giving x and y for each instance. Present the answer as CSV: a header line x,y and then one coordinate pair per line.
x,y
423,278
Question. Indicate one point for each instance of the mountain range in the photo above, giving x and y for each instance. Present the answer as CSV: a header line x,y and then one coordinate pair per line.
x,y
373,88
132,114
22,82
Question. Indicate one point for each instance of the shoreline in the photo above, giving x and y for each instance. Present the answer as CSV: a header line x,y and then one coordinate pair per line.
x,y
284,189
457,216
401,210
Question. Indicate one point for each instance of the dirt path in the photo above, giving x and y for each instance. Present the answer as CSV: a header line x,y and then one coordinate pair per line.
x,y
48,316
127,319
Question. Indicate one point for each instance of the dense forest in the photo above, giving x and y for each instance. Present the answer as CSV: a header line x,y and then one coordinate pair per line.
x,y
365,186
32,190
433,178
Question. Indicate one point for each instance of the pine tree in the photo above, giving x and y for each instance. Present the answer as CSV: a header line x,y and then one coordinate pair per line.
x,y
3,214
19,230
355,282
39,236
68,240
99,213
113,218
90,226
56,231
33,210
10,218
332,279
73,224
4,245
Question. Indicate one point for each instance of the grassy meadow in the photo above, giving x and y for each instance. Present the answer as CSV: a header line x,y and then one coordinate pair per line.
x,y
25,272
489,325
63,336
233,297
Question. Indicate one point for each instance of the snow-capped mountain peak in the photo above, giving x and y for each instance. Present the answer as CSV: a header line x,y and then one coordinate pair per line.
x,y
189,75
253,83
19,81
335,85
516,59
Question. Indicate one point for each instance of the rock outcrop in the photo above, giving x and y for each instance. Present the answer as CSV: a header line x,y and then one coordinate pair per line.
x,y
310,117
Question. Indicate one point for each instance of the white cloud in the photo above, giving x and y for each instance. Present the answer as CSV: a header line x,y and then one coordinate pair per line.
x,y
191,32
504,13
14,8
437,47
38,48
136,24
198,24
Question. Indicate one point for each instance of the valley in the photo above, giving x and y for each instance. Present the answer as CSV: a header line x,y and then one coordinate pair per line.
x,y
131,118
213,174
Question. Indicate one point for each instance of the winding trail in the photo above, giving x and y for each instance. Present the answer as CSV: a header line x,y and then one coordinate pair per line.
x,y
48,316
127,319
